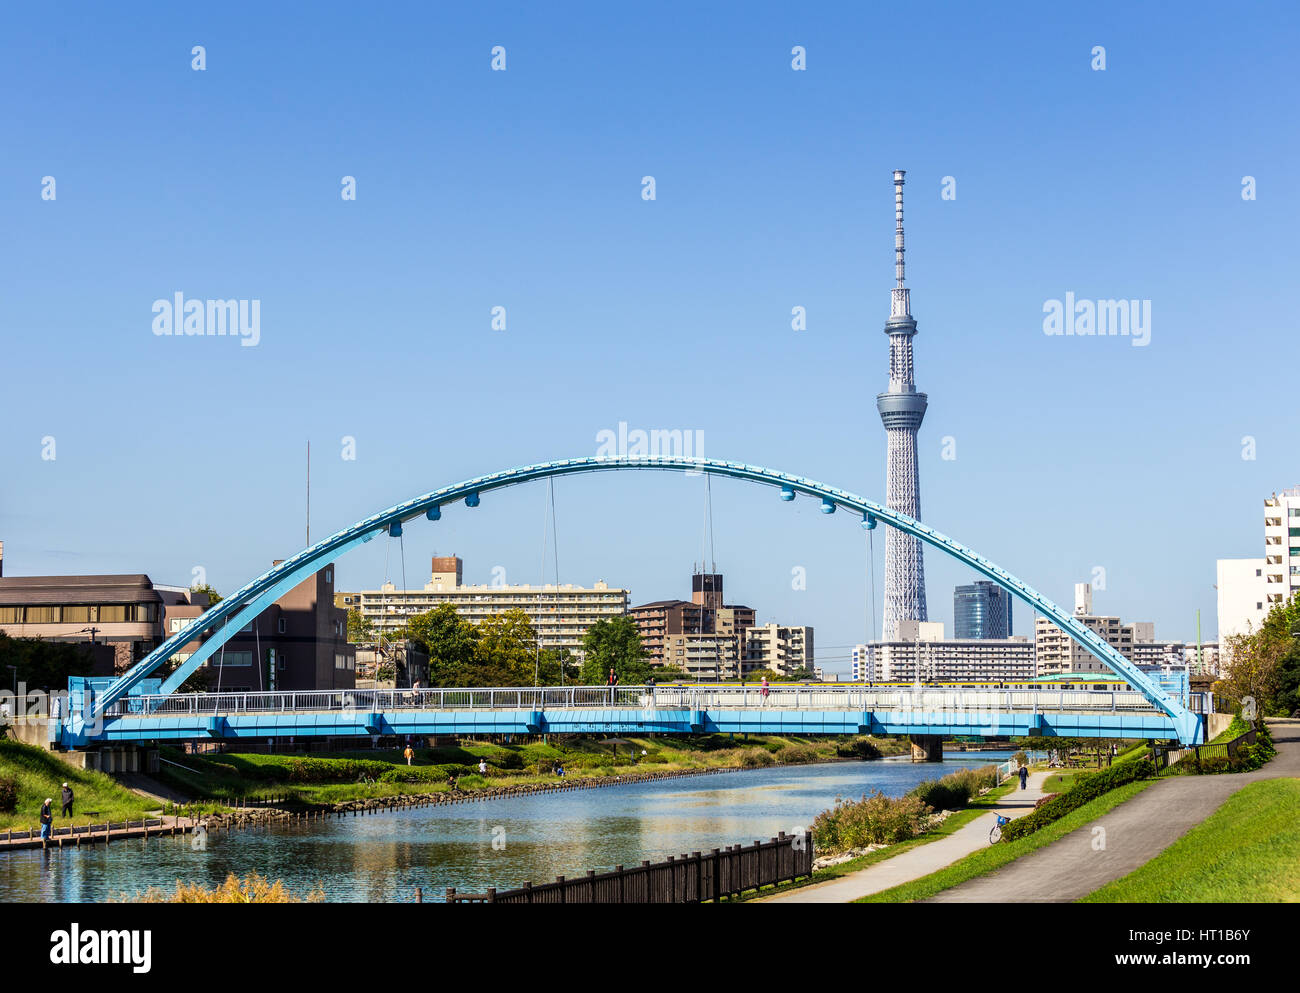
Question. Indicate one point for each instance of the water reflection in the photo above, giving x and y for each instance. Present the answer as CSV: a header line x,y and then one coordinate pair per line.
x,y
384,857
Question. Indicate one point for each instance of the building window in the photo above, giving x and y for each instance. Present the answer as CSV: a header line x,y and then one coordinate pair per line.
x,y
280,625
230,659
329,576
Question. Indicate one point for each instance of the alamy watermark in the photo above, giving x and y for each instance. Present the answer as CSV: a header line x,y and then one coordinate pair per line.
x,y
655,443
197,318
1098,318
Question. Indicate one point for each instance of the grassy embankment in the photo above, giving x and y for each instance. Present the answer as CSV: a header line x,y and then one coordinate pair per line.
x,y
950,825
1248,851
39,775
995,856
343,776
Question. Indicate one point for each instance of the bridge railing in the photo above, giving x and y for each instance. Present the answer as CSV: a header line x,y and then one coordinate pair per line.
x,y
646,699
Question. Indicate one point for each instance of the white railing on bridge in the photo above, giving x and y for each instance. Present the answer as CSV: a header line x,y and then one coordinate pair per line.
x,y
778,698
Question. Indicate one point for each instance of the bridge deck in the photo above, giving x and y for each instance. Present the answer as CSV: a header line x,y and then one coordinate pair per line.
x,y
633,710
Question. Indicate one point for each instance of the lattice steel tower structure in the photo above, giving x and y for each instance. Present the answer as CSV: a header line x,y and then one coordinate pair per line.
x,y
901,411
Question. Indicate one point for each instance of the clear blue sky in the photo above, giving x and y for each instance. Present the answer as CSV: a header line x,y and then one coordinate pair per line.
x,y
522,189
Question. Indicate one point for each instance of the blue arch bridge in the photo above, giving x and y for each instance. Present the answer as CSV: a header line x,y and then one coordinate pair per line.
x,y
140,709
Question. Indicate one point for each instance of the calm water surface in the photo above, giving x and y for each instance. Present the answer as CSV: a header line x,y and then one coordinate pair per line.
x,y
383,857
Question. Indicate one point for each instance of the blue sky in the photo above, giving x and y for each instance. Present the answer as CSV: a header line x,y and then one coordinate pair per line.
x,y
522,189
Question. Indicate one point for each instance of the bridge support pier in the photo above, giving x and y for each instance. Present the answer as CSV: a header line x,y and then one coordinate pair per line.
x,y
927,747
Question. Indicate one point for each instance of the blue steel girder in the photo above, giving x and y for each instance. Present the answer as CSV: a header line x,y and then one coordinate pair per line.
x,y
234,612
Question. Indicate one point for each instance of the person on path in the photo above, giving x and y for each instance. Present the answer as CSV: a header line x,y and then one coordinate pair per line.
x,y
1024,777
67,800
47,820
765,691
409,754
613,682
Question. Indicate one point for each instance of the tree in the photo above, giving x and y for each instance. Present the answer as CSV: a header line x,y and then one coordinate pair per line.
x,y
214,597
1264,665
557,667
613,643
42,664
506,653
450,641
360,628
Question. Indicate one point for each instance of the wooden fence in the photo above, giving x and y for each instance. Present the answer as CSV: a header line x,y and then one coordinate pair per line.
x,y
681,879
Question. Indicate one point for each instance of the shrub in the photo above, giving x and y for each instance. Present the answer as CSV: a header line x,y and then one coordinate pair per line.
x,y
752,758
873,820
956,789
253,889
425,773
1082,792
798,755
858,748
8,794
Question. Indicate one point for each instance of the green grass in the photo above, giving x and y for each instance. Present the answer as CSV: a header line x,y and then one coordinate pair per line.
x,y
996,856
40,774
1059,782
1247,851
950,825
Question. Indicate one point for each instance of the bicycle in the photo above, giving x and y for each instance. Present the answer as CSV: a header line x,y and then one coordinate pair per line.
x,y
995,835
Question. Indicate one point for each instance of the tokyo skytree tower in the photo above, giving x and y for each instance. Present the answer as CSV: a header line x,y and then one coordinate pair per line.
x,y
901,410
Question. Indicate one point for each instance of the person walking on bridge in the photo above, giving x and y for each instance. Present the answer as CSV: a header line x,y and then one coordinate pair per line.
x,y
613,682
765,691
1024,777
67,800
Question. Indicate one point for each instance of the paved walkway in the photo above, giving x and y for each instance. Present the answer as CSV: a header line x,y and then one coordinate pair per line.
x,y
1135,832
919,861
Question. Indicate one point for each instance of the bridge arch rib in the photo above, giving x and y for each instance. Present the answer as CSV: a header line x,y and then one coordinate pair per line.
x,y
241,607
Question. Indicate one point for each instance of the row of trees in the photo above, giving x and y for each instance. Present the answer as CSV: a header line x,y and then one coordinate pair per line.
x,y
502,650
1264,664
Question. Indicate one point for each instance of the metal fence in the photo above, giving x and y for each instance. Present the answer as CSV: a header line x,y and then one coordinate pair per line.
x,y
648,699
1166,756
682,879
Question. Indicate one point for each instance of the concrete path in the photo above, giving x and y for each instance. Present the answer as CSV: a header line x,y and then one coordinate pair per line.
x,y
919,861
1135,832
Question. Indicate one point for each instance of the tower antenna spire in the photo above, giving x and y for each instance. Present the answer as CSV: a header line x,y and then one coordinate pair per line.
x,y
900,302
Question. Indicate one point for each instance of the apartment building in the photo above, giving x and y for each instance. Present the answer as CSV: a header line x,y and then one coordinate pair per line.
x,y
921,653
559,614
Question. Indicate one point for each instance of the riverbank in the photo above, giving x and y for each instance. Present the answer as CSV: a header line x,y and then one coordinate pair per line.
x,y
488,769
288,809
37,775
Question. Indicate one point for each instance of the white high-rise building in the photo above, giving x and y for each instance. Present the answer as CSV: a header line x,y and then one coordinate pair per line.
x,y
1281,546
1242,600
1250,588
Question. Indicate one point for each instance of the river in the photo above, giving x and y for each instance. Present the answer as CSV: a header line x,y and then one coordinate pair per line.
x,y
384,857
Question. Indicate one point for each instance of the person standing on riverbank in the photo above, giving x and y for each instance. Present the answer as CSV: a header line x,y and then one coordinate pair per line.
x,y
1024,776
409,754
47,820
67,800
482,767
